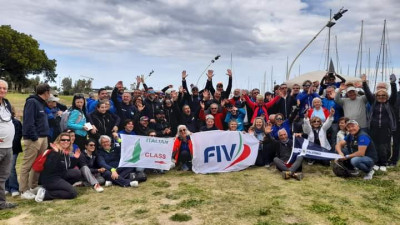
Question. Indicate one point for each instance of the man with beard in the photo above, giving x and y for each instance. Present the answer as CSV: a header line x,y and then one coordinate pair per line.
x,y
162,127
189,119
220,86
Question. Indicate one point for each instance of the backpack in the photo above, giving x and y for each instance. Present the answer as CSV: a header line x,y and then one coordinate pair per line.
x,y
340,170
38,164
65,117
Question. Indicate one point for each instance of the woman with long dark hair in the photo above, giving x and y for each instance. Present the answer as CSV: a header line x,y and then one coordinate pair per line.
x,y
77,120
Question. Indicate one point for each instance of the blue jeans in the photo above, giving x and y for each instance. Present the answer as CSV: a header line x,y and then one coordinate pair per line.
x,y
12,181
363,163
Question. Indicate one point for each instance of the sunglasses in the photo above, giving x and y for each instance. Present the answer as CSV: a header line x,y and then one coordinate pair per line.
x,y
213,108
91,145
182,130
65,140
316,121
306,85
278,119
381,96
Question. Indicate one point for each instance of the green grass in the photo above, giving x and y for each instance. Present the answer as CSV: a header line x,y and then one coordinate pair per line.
x,y
253,196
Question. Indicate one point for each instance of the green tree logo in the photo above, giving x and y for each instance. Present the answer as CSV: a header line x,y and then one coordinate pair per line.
x,y
136,152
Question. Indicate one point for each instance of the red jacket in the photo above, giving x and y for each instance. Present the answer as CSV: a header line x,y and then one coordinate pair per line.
x,y
177,147
218,118
325,110
255,107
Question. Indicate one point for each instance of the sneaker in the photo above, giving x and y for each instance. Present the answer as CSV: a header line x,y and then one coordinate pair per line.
x,y
14,193
108,183
78,184
8,205
27,195
369,175
298,176
40,195
267,165
185,167
98,188
286,174
134,183
6,192
354,172
132,176
383,168
376,168
311,162
35,190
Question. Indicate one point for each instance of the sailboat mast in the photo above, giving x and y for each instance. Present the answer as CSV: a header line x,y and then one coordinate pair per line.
x,y
383,49
329,41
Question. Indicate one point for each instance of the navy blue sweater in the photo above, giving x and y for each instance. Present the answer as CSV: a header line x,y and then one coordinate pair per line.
x,y
35,122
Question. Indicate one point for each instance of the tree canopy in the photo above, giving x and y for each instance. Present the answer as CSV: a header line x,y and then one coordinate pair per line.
x,y
20,56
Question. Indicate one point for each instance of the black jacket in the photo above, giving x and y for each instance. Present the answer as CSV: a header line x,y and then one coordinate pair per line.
x,y
104,123
17,147
56,166
35,122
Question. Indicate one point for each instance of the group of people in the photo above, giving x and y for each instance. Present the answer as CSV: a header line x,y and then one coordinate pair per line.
x,y
84,140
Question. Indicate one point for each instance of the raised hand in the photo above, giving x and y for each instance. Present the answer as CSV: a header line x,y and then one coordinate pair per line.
x,y
54,147
140,107
210,74
142,78
363,78
268,128
332,112
342,87
229,72
202,104
77,153
184,75
138,80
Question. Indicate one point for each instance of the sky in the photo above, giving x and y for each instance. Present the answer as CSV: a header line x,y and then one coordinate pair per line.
x,y
112,40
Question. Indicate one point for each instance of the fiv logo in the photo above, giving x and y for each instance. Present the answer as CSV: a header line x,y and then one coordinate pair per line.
x,y
234,153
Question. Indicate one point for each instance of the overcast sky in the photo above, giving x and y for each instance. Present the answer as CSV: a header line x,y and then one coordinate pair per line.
x,y
116,40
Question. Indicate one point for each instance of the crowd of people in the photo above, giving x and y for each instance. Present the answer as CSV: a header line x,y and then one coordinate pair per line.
x,y
85,143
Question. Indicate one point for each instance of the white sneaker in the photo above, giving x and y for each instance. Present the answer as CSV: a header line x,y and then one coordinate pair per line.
x,y
369,175
98,188
40,195
376,168
134,183
108,183
35,190
27,195
383,168
14,193
78,184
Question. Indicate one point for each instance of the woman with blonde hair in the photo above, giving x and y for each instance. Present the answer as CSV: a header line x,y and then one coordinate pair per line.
x,y
59,171
183,149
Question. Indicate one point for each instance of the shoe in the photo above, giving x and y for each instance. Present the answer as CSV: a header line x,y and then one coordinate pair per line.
x,y
40,195
369,175
141,176
354,172
14,193
298,176
267,165
286,174
28,195
185,167
134,183
8,205
311,162
383,168
78,184
98,188
108,183
6,192
376,168
35,190
132,176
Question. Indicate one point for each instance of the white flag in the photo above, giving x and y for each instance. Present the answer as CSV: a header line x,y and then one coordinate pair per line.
x,y
223,151
146,152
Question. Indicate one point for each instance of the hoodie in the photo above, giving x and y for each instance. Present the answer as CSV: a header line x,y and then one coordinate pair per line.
x,y
35,122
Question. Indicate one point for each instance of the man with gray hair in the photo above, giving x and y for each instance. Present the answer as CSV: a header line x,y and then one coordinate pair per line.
x,y
35,130
7,132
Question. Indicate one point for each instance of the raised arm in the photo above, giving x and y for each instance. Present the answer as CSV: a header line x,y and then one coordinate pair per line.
x,y
370,97
229,87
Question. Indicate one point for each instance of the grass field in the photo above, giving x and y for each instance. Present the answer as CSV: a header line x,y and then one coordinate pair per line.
x,y
253,196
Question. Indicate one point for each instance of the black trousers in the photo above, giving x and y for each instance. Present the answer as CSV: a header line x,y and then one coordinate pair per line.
x,y
61,188
381,138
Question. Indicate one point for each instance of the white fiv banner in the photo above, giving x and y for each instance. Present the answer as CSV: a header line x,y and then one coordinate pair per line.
x,y
223,151
146,152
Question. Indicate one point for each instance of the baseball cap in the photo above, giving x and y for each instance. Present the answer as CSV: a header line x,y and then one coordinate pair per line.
x,y
352,122
351,89
52,98
160,111
144,118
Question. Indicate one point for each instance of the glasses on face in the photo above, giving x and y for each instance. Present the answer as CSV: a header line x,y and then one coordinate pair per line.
x,y
214,108
381,96
296,88
306,85
316,121
182,130
283,88
65,140
256,92
278,119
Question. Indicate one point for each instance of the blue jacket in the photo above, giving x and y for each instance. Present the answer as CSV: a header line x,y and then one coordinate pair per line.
x,y
92,107
305,100
76,120
109,160
328,104
35,122
241,113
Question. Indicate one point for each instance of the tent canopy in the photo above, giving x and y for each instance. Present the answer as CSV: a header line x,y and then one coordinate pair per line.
x,y
317,75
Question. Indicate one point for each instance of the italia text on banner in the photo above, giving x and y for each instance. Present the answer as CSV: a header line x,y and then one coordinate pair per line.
x,y
223,151
310,150
146,152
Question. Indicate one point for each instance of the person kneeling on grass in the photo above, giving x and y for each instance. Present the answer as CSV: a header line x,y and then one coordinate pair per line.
x,y
108,158
283,149
58,173
360,150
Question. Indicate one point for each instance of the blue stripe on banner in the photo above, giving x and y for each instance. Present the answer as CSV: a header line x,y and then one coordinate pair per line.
x,y
311,150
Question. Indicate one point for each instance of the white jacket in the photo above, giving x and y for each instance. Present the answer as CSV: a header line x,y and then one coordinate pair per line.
x,y
321,134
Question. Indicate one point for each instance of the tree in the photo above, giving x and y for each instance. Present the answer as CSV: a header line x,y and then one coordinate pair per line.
x,y
66,84
20,55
